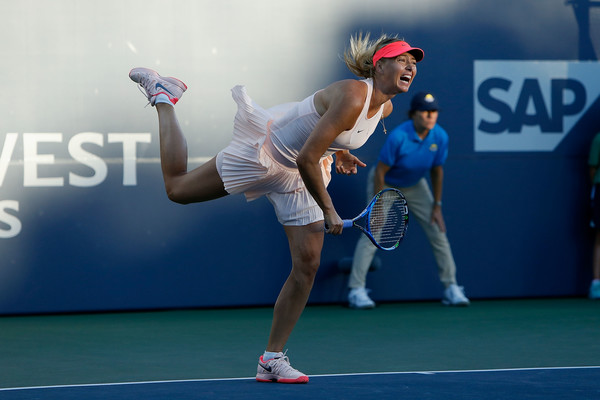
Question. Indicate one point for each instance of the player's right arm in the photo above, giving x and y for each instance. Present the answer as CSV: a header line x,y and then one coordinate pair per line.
x,y
339,105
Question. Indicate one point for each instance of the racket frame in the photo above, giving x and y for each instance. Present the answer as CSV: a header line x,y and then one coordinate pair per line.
x,y
348,223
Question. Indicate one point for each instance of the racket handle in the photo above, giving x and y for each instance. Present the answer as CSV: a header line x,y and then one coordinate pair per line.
x,y
348,223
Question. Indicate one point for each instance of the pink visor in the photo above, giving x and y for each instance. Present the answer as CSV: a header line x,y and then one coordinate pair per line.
x,y
395,49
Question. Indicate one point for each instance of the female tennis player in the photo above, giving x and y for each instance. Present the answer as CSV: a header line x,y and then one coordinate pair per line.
x,y
285,153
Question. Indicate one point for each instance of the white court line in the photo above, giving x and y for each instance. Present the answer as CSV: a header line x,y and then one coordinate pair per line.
x,y
311,376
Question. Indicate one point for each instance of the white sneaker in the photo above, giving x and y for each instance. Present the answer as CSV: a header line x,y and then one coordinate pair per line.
x,y
153,84
359,298
454,295
279,370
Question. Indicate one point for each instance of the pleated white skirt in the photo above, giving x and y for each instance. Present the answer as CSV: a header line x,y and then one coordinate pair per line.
x,y
247,166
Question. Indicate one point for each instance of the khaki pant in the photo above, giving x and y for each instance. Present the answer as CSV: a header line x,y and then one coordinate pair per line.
x,y
420,203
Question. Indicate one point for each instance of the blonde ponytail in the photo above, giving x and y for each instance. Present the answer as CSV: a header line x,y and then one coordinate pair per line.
x,y
359,56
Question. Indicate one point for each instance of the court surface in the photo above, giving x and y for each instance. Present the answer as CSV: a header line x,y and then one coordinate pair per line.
x,y
494,349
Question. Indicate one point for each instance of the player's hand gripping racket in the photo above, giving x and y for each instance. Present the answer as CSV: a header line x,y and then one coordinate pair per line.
x,y
385,219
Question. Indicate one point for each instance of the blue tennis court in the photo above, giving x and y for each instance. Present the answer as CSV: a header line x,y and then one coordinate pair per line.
x,y
494,349
541,383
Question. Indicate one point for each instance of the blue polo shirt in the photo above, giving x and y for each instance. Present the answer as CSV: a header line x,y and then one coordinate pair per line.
x,y
411,158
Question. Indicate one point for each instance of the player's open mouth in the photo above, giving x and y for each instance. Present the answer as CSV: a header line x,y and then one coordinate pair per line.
x,y
406,78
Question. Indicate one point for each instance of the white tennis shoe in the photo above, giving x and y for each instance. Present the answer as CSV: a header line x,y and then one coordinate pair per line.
x,y
454,295
153,84
278,370
359,298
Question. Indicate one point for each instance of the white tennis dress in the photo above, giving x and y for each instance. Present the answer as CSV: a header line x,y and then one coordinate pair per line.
x,y
261,158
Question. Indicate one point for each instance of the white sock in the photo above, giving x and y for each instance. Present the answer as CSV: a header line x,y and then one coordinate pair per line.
x,y
163,98
269,355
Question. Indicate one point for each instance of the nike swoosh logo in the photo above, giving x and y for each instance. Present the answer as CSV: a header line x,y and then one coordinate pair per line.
x,y
266,367
158,85
360,131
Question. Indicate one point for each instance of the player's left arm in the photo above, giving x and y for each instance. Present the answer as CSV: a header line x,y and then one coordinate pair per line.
x,y
346,163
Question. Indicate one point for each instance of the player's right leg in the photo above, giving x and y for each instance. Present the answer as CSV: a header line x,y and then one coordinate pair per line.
x,y
182,186
153,85
200,184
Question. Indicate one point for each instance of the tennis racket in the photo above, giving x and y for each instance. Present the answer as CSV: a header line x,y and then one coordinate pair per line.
x,y
385,219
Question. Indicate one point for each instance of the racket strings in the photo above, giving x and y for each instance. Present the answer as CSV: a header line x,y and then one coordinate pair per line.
x,y
387,219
